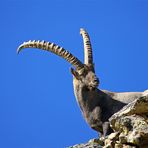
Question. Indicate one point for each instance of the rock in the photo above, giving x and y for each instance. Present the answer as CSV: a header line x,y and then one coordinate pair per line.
x,y
130,126
132,123
93,143
113,136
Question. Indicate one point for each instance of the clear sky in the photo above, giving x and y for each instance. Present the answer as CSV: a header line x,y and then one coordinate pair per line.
x,y
37,104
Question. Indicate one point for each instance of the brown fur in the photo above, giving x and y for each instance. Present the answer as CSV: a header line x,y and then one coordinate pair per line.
x,y
97,105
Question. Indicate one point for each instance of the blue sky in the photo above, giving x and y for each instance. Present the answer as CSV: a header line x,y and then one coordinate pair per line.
x,y
37,104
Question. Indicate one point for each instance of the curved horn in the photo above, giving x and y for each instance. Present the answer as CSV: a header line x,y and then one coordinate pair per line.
x,y
54,49
88,57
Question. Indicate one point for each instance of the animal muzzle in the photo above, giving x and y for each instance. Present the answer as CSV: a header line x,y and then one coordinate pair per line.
x,y
94,84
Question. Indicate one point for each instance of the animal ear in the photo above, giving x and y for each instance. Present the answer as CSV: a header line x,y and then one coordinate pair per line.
x,y
74,73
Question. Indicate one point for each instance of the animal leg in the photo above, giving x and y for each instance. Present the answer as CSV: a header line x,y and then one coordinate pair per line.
x,y
106,129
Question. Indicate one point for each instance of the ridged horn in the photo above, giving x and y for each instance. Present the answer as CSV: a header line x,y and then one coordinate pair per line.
x,y
88,57
54,49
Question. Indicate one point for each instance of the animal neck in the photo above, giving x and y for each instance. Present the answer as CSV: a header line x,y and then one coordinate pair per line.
x,y
78,94
86,99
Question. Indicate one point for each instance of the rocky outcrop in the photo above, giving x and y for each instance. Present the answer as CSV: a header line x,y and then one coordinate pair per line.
x,y
130,127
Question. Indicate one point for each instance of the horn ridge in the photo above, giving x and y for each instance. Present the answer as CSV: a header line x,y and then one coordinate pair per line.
x,y
60,51
88,57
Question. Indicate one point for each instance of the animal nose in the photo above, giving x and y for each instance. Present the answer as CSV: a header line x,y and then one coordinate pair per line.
x,y
96,80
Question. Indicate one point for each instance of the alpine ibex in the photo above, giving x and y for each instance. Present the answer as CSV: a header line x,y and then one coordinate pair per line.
x,y
97,105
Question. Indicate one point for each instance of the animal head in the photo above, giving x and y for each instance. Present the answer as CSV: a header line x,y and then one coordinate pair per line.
x,y
86,79
84,73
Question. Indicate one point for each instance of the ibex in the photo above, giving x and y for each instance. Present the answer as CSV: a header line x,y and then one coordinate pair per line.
x,y
97,105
